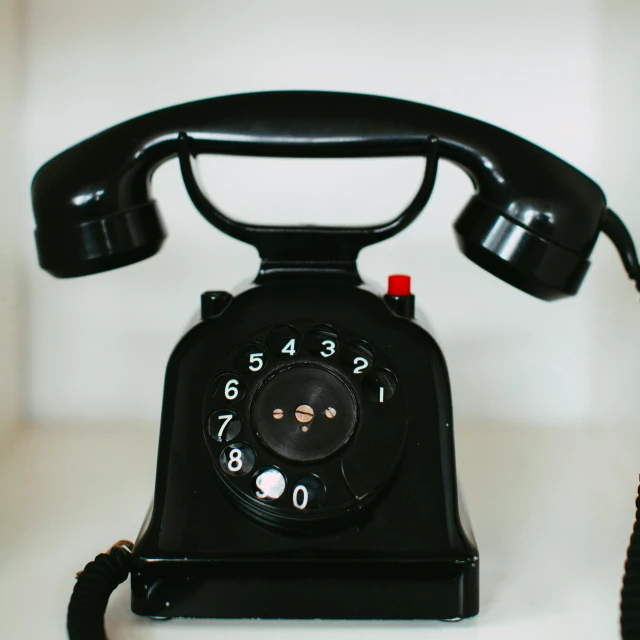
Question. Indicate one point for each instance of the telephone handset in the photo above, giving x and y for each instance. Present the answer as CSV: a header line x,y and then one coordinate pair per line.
x,y
306,440
532,221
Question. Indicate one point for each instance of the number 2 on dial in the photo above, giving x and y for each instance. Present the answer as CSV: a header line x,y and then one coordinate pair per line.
x,y
361,364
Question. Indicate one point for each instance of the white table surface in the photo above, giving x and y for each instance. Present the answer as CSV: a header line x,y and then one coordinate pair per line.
x,y
552,511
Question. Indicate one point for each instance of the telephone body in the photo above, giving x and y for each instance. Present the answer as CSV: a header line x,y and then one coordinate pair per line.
x,y
306,461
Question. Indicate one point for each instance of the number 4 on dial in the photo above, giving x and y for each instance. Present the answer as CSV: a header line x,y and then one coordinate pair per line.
x,y
290,348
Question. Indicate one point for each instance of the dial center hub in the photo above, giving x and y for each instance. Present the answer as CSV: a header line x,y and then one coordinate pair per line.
x,y
313,429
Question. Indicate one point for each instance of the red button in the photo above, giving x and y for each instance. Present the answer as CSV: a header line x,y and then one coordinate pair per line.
x,y
399,285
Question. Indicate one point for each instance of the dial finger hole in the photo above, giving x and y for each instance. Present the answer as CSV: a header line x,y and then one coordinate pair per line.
x,y
269,484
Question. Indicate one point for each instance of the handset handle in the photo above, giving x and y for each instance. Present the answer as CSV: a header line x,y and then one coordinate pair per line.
x,y
94,209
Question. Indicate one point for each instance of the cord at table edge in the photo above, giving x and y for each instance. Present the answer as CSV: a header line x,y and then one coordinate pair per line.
x,y
94,585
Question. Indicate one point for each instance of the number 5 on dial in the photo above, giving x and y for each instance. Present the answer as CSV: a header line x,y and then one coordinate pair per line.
x,y
256,362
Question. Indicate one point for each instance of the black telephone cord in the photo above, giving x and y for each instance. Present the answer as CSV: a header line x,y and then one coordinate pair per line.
x,y
618,233
94,585
613,227
630,600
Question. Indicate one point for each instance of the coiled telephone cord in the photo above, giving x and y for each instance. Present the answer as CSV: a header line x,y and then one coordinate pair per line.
x,y
94,585
630,601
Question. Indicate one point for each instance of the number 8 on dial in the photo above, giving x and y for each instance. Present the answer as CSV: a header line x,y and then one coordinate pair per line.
x,y
237,459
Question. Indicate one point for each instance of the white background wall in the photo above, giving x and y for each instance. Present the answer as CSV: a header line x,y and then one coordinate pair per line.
x,y
11,209
552,71
616,315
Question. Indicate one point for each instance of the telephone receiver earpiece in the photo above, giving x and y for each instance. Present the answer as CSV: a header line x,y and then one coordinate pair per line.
x,y
532,221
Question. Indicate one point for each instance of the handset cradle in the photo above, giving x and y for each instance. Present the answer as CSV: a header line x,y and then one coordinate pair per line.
x,y
297,251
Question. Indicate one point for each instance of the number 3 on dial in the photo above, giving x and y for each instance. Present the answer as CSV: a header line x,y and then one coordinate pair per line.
x,y
329,348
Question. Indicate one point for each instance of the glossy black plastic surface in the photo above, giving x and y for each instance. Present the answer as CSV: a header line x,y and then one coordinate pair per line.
x,y
517,255
213,303
402,305
94,209
400,550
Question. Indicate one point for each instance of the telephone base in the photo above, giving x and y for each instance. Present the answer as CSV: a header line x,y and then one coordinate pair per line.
x,y
318,588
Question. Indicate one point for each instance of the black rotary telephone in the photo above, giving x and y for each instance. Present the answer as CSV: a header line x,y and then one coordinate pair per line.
x,y
306,460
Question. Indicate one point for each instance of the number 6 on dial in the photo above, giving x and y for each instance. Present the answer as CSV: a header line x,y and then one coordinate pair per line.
x,y
231,389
